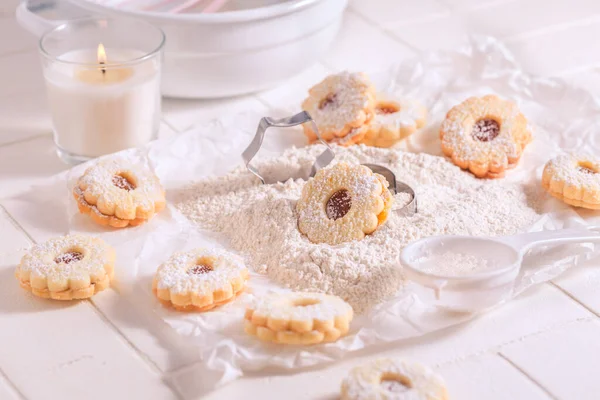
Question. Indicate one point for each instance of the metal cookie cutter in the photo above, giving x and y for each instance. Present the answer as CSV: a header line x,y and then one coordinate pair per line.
x,y
397,187
265,123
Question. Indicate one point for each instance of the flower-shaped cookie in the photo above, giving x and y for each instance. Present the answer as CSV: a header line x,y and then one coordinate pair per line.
x,y
298,318
338,105
485,135
343,203
117,193
574,179
393,379
395,119
68,267
200,279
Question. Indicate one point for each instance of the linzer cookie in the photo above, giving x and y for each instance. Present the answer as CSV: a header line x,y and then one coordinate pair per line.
x,y
117,193
355,136
395,119
485,135
393,379
67,268
343,203
200,280
340,104
574,179
298,318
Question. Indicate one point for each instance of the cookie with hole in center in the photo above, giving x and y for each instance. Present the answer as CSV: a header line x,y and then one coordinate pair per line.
x,y
485,135
574,179
395,119
116,193
343,203
338,105
386,378
200,280
67,268
298,318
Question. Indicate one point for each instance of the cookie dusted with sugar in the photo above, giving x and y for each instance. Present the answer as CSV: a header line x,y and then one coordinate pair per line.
x,y
200,280
298,318
391,379
395,119
485,135
355,136
338,105
117,193
574,179
343,203
67,268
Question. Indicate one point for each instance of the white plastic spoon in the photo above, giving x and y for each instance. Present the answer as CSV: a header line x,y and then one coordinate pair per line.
x,y
499,260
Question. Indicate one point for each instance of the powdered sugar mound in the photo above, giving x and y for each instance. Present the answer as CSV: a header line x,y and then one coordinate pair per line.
x,y
402,199
261,222
451,263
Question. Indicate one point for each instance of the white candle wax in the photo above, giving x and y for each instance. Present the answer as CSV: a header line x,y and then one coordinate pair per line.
x,y
97,112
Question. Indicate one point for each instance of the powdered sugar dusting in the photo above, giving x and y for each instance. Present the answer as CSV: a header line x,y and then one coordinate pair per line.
x,y
364,189
485,130
463,138
339,101
353,136
409,113
117,183
64,258
338,204
122,183
260,221
289,306
393,379
69,257
454,264
401,200
179,276
576,170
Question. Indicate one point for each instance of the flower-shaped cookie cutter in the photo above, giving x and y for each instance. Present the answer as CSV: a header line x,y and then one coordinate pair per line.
x,y
323,160
397,187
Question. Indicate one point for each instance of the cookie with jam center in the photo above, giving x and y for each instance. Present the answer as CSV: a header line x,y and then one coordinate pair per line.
x,y
67,268
340,105
574,179
200,279
343,203
485,135
117,193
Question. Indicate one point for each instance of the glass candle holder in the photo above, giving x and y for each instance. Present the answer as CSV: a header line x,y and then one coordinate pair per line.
x,y
103,84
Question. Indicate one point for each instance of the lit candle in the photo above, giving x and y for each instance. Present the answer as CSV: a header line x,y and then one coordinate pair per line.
x,y
103,100
101,75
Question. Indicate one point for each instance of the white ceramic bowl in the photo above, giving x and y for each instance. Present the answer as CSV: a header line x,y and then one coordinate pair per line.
x,y
232,53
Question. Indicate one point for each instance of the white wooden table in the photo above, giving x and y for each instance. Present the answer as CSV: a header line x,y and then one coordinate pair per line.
x,y
543,345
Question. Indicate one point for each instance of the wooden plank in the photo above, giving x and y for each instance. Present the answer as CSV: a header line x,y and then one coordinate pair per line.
x,y
183,114
23,116
540,309
28,163
14,38
383,12
562,360
361,46
582,285
7,389
22,73
295,90
56,349
531,49
488,377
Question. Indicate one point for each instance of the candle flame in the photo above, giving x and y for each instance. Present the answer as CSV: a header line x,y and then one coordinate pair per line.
x,y
101,54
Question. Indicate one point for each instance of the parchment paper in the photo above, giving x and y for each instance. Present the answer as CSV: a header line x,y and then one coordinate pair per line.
x,y
564,119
